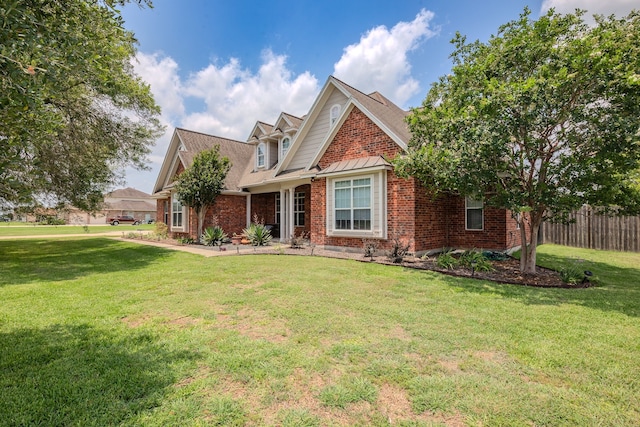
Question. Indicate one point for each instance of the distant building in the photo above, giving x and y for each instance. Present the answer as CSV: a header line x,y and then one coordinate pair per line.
x,y
125,201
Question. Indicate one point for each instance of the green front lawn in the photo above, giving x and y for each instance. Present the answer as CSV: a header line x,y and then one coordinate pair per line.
x,y
99,332
23,229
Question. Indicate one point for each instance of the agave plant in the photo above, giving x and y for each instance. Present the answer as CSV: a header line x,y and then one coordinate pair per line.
x,y
213,236
258,233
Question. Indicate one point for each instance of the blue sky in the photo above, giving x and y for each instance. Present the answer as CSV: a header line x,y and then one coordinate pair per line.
x,y
218,66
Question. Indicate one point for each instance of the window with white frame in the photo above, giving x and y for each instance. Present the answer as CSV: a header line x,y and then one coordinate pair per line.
x,y
474,214
177,213
260,155
298,209
334,113
277,208
286,143
352,204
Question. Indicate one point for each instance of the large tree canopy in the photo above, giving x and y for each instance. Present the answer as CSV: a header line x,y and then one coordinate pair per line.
x,y
73,114
200,184
541,119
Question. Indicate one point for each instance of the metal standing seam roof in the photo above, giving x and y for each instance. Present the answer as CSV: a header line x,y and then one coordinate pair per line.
x,y
355,164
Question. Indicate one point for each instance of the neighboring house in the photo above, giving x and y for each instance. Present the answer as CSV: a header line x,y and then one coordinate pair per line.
x,y
328,175
125,201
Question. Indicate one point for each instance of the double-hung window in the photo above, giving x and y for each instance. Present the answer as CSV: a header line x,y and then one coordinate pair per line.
x,y
474,214
286,143
177,213
298,209
352,204
260,155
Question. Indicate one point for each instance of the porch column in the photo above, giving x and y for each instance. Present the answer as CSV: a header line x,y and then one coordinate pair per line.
x,y
283,215
248,210
292,221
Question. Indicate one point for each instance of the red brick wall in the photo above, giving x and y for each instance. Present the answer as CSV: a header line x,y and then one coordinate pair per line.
x,y
357,138
493,236
413,215
230,212
264,206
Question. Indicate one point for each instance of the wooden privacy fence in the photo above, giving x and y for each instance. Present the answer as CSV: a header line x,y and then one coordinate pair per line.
x,y
590,230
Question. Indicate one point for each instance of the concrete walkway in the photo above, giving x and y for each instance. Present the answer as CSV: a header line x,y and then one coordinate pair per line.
x,y
208,251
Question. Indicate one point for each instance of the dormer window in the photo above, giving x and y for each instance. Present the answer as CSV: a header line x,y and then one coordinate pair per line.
x,y
260,155
334,113
286,143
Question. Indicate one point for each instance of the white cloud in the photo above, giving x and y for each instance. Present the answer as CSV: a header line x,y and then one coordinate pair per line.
x,y
162,76
619,8
378,62
234,99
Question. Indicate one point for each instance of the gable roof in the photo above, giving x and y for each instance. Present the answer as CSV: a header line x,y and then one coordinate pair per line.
x,y
127,193
186,144
384,113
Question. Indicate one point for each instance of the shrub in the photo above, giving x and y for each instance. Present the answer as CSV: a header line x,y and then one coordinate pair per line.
x,y
185,240
572,274
398,250
213,236
257,233
370,247
476,260
161,230
297,241
446,260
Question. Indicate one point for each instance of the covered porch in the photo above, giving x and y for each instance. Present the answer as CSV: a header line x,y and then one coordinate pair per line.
x,y
287,209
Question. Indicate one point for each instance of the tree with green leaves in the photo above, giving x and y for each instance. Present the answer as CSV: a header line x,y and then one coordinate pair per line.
x,y
200,184
540,120
73,114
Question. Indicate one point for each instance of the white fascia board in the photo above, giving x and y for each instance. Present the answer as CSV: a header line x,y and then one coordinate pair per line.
x,y
254,130
334,129
308,121
352,102
167,162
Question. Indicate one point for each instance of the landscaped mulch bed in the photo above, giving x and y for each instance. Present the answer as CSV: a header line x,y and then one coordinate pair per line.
x,y
505,271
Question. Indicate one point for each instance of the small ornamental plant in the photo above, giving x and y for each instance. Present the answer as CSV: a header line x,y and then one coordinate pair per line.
x,y
258,233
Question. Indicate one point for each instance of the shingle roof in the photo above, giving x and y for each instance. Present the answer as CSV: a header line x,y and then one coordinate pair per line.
x,y
128,193
386,111
131,205
239,153
295,121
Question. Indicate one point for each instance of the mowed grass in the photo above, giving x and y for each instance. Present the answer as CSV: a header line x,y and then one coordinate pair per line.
x,y
99,332
22,229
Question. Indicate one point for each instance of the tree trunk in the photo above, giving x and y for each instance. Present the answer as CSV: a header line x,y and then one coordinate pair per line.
x,y
200,213
530,245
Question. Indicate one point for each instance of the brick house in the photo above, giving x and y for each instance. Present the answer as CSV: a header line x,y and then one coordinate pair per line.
x,y
328,175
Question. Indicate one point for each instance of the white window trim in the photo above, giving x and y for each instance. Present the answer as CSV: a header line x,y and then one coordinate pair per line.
x,y
278,208
466,211
333,119
282,150
377,215
185,216
296,196
264,155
